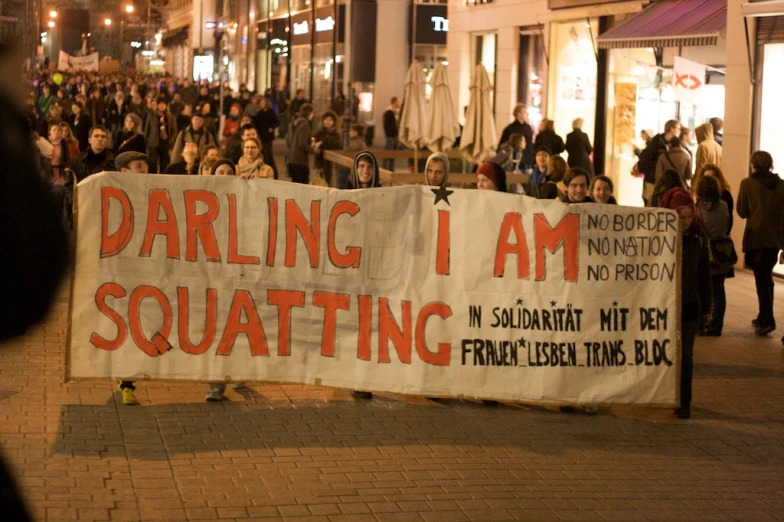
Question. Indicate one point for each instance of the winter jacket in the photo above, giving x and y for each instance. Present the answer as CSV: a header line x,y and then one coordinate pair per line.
x,y
551,140
298,140
579,148
203,138
152,131
266,121
505,156
676,158
88,163
708,150
696,294
761,204
329,141
649,157
521,128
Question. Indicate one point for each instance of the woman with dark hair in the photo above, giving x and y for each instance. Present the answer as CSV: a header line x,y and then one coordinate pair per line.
x,y
601,190
714,214
223,167
695,286
670,179
724,187
328,138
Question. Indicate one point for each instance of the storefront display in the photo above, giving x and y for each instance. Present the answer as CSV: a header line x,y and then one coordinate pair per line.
x,y
532,74
573,79
430,29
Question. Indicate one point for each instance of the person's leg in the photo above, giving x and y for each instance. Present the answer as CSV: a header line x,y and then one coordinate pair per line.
x,y
688,334
299,174
164,157
152,160
216,391
716,324
390,144
764,261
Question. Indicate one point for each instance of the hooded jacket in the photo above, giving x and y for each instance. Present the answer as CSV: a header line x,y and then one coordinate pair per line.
x,y
353,181
709,150
445,159
761,204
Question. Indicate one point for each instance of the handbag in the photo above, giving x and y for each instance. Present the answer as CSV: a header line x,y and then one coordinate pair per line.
x,y
721,251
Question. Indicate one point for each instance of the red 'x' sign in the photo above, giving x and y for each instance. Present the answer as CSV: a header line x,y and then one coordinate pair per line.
x,y
682,79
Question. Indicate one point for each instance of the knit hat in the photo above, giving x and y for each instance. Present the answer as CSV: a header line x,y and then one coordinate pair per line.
x,y
495,173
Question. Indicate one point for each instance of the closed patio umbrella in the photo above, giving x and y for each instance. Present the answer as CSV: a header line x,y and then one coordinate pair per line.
x,y
442,127
478,141
412,120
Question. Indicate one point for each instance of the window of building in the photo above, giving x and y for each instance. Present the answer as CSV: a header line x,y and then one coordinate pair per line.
x,y
532,71
484,52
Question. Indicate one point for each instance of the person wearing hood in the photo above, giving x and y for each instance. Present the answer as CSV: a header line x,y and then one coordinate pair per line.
x,y
130,138
761,204
364,172
364,175
300,145
437,170
491,176
708,150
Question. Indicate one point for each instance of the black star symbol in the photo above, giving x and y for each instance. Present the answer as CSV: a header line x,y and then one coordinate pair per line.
x,y
521,341
615,303
442,193
552,303
519,302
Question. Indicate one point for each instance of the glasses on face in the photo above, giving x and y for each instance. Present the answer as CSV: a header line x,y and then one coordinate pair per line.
x,y
100,136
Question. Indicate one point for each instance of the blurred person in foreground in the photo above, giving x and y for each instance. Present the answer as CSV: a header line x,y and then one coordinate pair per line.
x,y
34,250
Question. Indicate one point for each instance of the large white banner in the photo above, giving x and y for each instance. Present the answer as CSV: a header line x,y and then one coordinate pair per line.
x,y
79,63
407,289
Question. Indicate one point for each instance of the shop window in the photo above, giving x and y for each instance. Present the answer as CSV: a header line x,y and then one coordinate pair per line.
x,y
300,69
278,7
532,71
326,70
573,76
771,124
428,56
322,3
299,5
485,54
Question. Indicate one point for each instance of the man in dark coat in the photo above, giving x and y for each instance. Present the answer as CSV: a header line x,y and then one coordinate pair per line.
x,y
266,121
650,156
97,158
579,148
520,126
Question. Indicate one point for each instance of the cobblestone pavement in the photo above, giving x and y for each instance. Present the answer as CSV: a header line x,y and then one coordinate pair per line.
x,y
281,452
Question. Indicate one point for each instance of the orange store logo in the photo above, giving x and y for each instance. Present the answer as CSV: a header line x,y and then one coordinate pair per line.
x,y
687,81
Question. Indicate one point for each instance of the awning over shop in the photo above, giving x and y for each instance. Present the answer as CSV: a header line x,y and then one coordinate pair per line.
x,y
767,8
669,23
175,37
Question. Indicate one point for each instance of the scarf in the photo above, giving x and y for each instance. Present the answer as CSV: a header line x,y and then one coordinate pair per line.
x,y
249,170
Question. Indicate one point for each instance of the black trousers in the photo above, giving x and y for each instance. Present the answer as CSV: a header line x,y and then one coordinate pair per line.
x,y
299,173
763,261
158,155
268,158
688,334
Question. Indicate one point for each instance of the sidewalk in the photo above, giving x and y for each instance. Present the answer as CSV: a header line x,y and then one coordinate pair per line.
x,y
286,452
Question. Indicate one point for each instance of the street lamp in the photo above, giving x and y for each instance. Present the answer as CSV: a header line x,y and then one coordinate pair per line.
x,y
51,23
53,14
107,21
129,9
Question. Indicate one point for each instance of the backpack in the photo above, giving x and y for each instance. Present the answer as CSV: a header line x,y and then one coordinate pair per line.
x,y
649,157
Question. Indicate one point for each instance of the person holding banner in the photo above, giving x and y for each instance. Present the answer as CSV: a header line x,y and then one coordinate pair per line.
x,y
491,176
131,161
437,170
696,290
190,161
223,167
251,165
576,181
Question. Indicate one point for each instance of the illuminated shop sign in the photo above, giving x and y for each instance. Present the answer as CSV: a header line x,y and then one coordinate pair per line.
x,y
325,24
298,29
